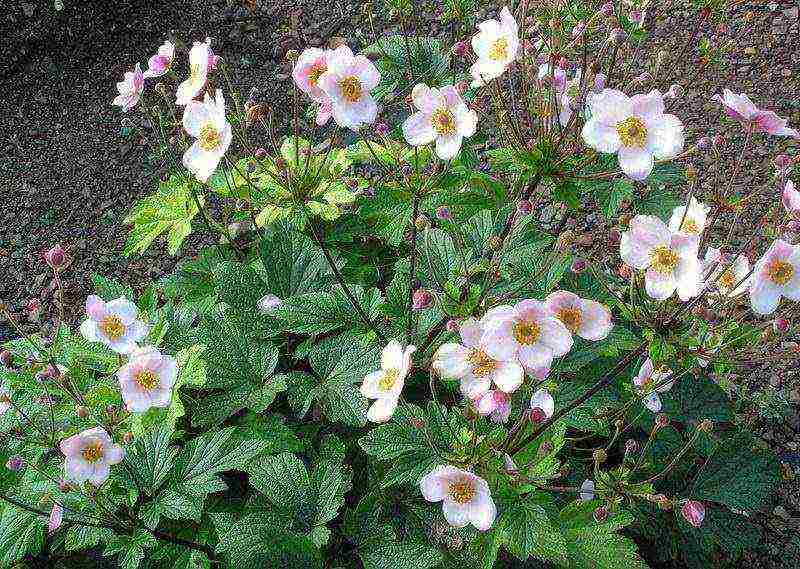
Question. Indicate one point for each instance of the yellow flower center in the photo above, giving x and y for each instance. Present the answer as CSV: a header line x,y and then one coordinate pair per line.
x,y
351,89
194,72
499,50
388,379
663,260
727,279
147,380
461,492
482,364
632,132
112,327
92,452
780,272
527,332
689,225
571,317
315,73
209,138
444,123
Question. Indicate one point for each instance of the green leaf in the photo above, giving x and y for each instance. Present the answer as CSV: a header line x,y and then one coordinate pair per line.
x,y
85,537
697,398
293,263
21,534
593,549
610,196
131,549
531,533
399,556
110,289
321,312
150,459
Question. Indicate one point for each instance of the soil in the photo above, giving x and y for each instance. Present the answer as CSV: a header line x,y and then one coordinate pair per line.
x,y
71,171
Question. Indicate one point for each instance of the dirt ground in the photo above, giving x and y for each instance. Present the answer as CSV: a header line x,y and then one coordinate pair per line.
x,y
71,171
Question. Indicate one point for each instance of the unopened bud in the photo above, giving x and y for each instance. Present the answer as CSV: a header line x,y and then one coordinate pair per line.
x,y
422,222
462,87
578,266
460,48
6,359
781,325
675,91
719,140
261,153
663,502
495,242
694,512
599,456
537,415
422,299
280,164
524,207
64,486
705,426
607,9
381,129
704,143
55,257
618,36
452,326
600,81
661,421
631,446
624,271
691,173
636,16
443,213
417,423
579,30
782,161
127,438
15,463
545,448
600,514
82,411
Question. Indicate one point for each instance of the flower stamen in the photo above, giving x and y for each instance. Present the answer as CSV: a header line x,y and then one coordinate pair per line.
x,y
527,332
112,327
388,379
499,50
209,138
632,132
315,73
461,492
482,364
663,260
571,318
780,272
444,123
351,88
92,452
147,380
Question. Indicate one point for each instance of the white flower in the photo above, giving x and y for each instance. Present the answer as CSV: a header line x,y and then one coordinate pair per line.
x,y
146,380
723,279
583,317
635,128
670,258
775,275
130,89
587,491
347,82
386,384
207,124
161,62
689,219
465,497
89,455
542,406
443,116
114,324
198,71
650,383
470,362
496,45
791,198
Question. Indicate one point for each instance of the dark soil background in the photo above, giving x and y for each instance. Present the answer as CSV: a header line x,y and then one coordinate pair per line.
x,y
70,171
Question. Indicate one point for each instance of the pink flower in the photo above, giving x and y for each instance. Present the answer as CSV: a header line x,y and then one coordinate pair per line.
x,y
308,69
725,278
56,518
496,44
526,331
466,497
161,62
113,324
694,512
689,219
791,198
740,108
496,404
348,82
443,116
585,318
471,363
130,89
324,113
635,128
650,383
206,122
776,274
670,258
89,456
147,379
542,406
199,57
386,384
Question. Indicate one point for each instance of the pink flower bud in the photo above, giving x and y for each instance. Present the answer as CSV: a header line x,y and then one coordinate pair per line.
x,y
537,415
381,129
55,257
268,303
600,514
618,36
600,82
578,266
64,486
452,326
614,236
15,463
704,143
781,325
719,140
636,16
462,87
661,421
607,9
422,299
460,48
624,271
782,161
443,213
674,92
694,512
579,30
6,359
524,207
261,153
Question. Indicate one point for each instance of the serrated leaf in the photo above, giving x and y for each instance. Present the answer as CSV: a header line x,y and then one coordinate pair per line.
x,y
320,312
21,534
150,459
399,556
293,263
531,533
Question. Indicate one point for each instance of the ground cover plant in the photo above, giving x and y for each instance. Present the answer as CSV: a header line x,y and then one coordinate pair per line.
x,y
411,348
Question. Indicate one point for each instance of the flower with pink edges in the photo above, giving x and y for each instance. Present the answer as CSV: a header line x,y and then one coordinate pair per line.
x,y
740,108
113,323
542,406
791,198
494,404
723,277
146,380
694,512
130,89
636,129
473,366
200,57
56,517
89,456
776,274
670,259
347,82
206,122
386,384
309,67
161,62
583,317
442,117
689,219
650,382
466,498
526,331
496,44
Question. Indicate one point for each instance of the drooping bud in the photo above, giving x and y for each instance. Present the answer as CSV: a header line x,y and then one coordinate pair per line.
x,y
781,325
55,257
6,359
460,48
381,128
661,421
537,415
705,426
694,512
578,266
663,502
579,30
421,299
674,92
782,161
15,463
452,326
127,438
614,236
443,213
636,16
719,140
82,411
495,242
600,514
524,207
261,153
618,36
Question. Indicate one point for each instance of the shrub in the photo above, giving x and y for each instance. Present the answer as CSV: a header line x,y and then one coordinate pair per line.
x,y
460,320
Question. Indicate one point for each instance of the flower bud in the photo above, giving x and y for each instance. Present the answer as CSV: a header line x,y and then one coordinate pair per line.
x,y
607,9
705,426
579,30
127,438
704,143
537,415
422,223
524,207
6,359
82,411
694,512
460,48
691,173
545,448
599,456
781,325
421,299
636,16
618,36
15,463
34,309
719,140
674,92
261,153
600,81
631,446
64,486
462,87
782,161
600,514
268,303
55,257
661,421
452,326
495,242
381,129
663,502
280,164
625,271
578,266
443,213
